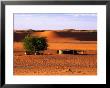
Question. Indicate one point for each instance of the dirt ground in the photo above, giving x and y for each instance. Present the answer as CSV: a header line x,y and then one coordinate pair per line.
x,y
51,63
55,65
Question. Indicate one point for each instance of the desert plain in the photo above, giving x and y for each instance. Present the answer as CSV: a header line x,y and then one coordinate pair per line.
x,y
52,63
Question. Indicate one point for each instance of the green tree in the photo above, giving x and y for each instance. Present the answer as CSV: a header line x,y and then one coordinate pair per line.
x,y
28,45
40,44
35,44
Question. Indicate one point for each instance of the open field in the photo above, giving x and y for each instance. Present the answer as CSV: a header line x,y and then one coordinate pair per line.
x,y
51,63
55,65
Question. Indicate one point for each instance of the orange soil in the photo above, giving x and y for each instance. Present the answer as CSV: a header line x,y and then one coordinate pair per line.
x,y
56,64
56,46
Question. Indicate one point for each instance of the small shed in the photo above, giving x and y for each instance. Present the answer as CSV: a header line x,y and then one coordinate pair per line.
x,y
67,51
75,52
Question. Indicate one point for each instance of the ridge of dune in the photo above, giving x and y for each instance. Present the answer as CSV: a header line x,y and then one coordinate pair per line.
x,y
48,34
55,36
59,36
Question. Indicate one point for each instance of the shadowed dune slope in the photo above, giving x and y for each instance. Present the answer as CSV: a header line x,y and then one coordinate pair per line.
x,y
54,35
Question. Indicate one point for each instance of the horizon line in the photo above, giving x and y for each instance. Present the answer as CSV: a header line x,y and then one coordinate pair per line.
x,y
55,29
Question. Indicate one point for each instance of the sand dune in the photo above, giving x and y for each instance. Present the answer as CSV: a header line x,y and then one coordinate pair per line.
x,y
61,36
49,34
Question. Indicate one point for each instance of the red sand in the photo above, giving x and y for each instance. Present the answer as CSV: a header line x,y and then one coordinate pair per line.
x,y
56,64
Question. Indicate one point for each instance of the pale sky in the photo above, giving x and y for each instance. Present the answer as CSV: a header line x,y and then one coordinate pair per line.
x,y
55,21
